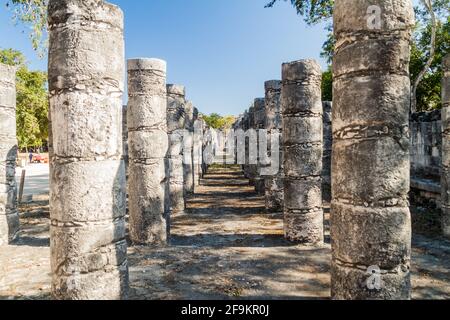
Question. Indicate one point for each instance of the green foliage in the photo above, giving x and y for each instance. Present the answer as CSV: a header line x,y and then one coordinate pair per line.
x,y
429,90
33,14
327,85
217,121
32,101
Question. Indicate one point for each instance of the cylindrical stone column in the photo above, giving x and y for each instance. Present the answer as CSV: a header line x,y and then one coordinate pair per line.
x,y
176,121
188,147
197,149
148,143
9,217
260,123
251,168
445,177
327,150
125,136
274,188
370,218
87,183
302,146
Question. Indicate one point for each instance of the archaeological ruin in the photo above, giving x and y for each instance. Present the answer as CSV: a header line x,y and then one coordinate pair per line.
x,y
298,198
148,188
9,217
87,183
370,216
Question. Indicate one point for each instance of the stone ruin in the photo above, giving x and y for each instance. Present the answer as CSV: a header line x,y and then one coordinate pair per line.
x,y
149,203
354,152
87,175
9,217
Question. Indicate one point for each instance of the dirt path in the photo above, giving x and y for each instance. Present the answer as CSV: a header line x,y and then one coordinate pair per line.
x,y
223,247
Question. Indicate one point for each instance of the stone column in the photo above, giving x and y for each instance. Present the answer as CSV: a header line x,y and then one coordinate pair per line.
x,y
327,150
251,168
188,145
260,123
198,142
125,136
370,218
303,149
445,178
148,145
87,183
274,188
9,217
176,122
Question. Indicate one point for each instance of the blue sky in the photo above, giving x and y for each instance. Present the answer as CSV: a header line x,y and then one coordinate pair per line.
x,y
222,50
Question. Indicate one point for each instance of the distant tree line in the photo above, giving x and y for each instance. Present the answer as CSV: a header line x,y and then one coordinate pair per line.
x,y
32,101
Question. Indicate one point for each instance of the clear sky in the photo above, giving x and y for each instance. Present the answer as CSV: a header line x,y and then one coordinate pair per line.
x,y
221,50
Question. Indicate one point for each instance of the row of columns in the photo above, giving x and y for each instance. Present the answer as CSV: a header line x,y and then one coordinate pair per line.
x,y
370,219
89,158
367,146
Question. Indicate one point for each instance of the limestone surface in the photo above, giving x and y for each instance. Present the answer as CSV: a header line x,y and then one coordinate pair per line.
x,y
9,218
176,120
148,188
87,175
259,125
303,150
445,179
370,218
274,188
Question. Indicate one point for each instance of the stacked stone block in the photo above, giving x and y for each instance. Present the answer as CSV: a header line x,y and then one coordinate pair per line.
x,y
260,123
445,176
148,188
176,120
303,151
327,150
370,218
9,217
87,182
188,148
274,188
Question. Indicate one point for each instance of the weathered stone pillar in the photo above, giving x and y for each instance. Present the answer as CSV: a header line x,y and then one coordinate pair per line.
x,y
445,180
9,217
176,122
251,168
245,127
370,218
87,183
125,136
327,150
260,123
198,149
274,188
188,146
303,149
148,145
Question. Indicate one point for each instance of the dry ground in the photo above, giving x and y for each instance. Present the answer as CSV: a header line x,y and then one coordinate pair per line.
x,y
223,247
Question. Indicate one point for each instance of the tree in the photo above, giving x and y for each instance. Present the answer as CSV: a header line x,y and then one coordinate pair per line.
x,y
32,13
32,101
431,43
216,121
327,85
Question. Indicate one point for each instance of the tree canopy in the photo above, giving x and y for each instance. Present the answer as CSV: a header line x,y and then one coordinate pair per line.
x,y
216,121
33,14
32,101
428,95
